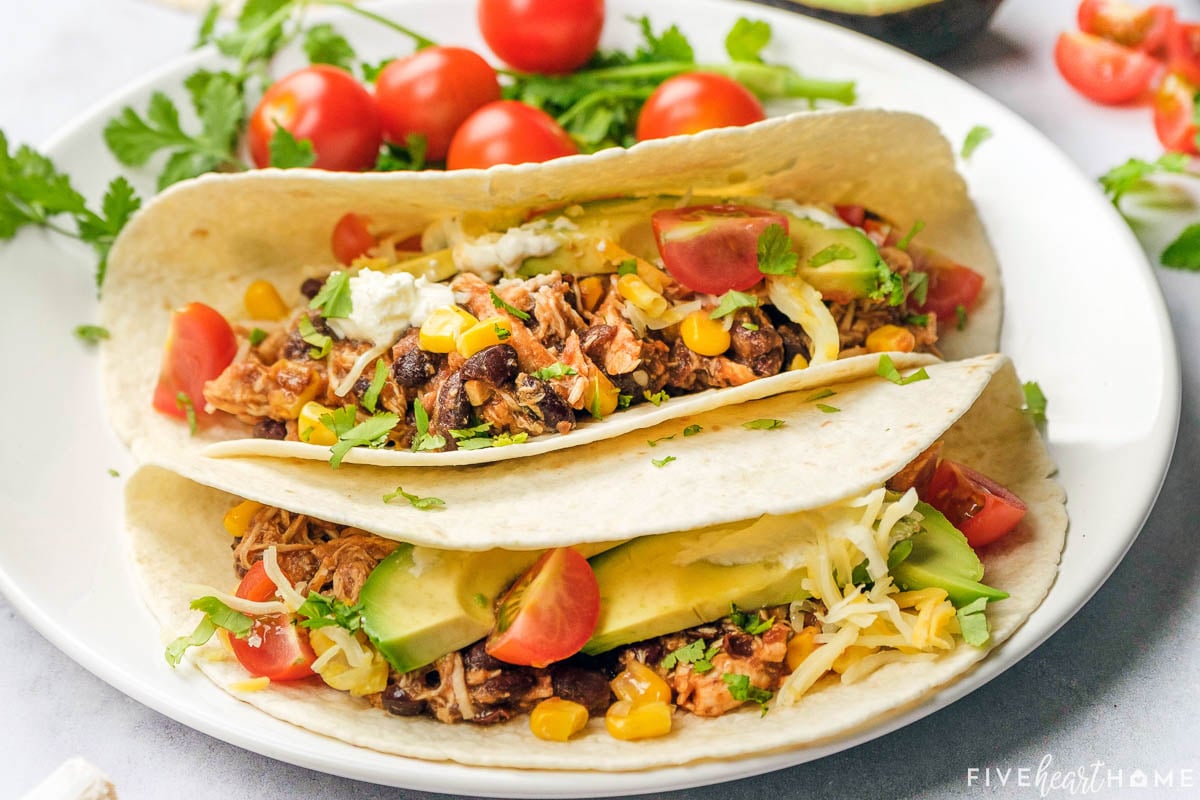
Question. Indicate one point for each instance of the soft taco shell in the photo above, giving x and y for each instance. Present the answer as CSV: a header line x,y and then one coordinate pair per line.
x,y
207,239
176,541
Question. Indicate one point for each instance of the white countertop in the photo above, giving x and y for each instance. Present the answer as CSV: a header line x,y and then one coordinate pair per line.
x,y
1115,691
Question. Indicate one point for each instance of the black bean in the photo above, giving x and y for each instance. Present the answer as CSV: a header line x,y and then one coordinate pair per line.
x,y
453,409
739,645
587,687
492,716
270,429
433,679
399,702
538,394
477,657
595,340
510,684
311,287
414,368
496,365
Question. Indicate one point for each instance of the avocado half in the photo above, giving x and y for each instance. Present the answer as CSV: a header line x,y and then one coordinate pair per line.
x,y
923,27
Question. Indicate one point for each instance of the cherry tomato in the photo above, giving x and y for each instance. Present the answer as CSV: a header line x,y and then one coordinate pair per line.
x,y
326,106
1183,51
713,249
274,648
950,286
351,238
200,345
430,93
508,132
852,215
1133,26
1174,114
975,504
548,36
697,101
549,613
1103,71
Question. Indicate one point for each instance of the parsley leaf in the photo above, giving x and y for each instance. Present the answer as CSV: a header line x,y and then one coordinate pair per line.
x,y
321,343
555,370
322,611
184,404
671,45
657,398
256,336
1035,402
692,430
975,137
420,503
333,301
763,424
749,621
371,432
1184,252
371,396
746,39
887,369
423,439
775,253
903,244
731,301
742,690
91,334
1119,180
820,394
286,152
662,462
324,45
973,624
834,252
498,302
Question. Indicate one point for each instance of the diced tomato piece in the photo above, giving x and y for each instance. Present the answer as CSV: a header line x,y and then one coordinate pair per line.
x,y
351,238
1183,51
852,215
1142,28
713,249
950,286
200,345
1102,70
1175,115
975,504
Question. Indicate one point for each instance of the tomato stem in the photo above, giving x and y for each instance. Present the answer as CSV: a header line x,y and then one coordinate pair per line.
x,y
765,80
600,96
420,41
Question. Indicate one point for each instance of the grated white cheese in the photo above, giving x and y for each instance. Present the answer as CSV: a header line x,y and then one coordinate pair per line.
x,y
249,607
496,253
283,587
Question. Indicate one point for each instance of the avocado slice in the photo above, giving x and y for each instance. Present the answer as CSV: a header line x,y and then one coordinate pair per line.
x,y
942,559
420,603
650,587
840,263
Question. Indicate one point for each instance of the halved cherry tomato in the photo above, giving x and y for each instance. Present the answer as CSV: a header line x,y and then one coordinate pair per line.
x,y
852,215
351,238
975,504
1142,28
430,93
1183,50
552,37
549,613
274,648
694,102
328,107
713,248
508,132
1103,71
1175,115
200,345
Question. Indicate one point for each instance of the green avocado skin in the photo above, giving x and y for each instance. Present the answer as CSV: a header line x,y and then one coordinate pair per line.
x,y
923,27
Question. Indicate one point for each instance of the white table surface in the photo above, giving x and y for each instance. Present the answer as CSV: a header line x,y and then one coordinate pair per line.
x,y
1116,690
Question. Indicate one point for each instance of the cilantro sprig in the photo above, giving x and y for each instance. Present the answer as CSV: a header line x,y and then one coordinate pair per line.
x,y
698,654
887,370
371,432
416,501
322,611
742,690
775,253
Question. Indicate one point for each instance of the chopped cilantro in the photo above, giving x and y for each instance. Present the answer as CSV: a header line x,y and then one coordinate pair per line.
x,y
746,39
256,336
371,396
321,344
742,690
322,611
333,300
975,137
662,462
918,287
763,424
555,370
917,227
1122,179
505,439
423,439
480,430
749,621
216,615
1035,402
692,430
654,442
835,252
92,334
887,369
960,313
288,152
112,473
820,394
695,653
421,503
627,267
920,320
657,398
184,404
371,432
477,443
1184,252
750,326
973,624
498,302
828,409
731,301
623,400
409,157
775,253
502,332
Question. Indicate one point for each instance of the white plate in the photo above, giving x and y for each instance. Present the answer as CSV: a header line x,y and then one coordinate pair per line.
x,y
1084,318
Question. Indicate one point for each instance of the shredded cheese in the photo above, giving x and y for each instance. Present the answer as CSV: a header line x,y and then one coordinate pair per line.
x,y
291,598
360,363
817,664
248,607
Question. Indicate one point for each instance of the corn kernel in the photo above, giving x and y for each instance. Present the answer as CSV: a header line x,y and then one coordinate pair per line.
x,y
891,339
638,292
602,396
801,646
798,362
310,427
640,684
251,684
627,721
485,333
591,289
704,335
263,301
441,329
237,519
556,720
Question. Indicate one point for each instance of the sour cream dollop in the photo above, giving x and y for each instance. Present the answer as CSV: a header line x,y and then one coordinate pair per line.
x,y
496,253
385,304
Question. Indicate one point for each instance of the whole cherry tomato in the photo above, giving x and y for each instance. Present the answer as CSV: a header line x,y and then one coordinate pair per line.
x,y
508,132
548,36
200,345
430,93
697,101
326,106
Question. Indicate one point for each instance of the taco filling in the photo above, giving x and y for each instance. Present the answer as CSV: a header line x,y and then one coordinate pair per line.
x,y
503,327
702,621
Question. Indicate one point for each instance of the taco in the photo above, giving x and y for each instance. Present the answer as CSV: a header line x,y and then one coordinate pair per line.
x,y
548,306
827,609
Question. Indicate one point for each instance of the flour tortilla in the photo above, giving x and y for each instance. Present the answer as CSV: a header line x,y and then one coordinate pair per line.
x,y
177,540
207,239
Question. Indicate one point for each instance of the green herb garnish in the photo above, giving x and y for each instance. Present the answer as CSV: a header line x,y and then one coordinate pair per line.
x,y
834,252
623,400
820,394
92,334
371,432
919,320
216,615
975,137
321,611
420,503
692,430
763,424
918,287
324,45
742,690
1118,181
423,440
887,369
321,343
112,473
662,462
288,152
184,404
828,409
903,244
333,301
498,302
627,267
1184,252
696,653
750,326
749,621
257,335
371,396
654,442
555,370
1035,402
973,624
775,253
731,301
657,398
960,313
